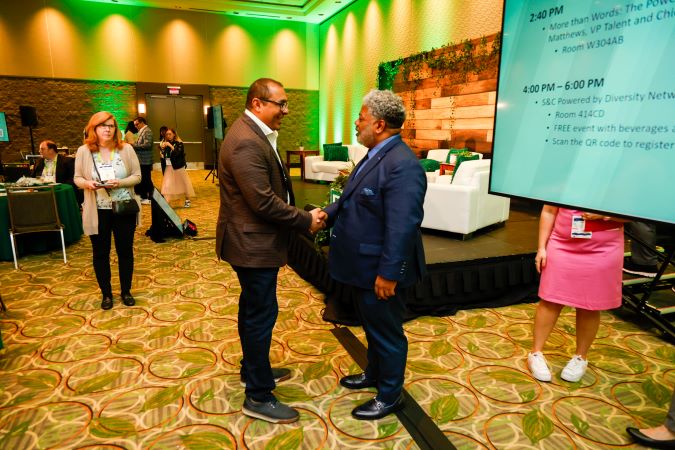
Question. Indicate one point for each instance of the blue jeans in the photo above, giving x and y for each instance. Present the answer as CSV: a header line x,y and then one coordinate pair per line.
x,y
258,310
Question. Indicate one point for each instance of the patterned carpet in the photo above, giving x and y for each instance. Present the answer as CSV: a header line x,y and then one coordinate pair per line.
x,y
164,374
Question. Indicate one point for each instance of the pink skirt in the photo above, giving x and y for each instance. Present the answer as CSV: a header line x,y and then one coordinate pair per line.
x,y
583,273
176,184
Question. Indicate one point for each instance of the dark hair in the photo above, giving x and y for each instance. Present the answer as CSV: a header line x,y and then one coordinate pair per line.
x,y
131,127
260,89
50,145
141,120
162,131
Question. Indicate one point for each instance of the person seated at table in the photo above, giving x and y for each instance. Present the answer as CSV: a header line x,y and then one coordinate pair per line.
x,y
56,168
52,167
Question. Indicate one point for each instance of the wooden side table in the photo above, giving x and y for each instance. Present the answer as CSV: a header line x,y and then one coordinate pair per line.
x,y
301,154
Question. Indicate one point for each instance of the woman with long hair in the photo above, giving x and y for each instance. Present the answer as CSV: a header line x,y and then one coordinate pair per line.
x,y
107,168
176,183
162,156
130,133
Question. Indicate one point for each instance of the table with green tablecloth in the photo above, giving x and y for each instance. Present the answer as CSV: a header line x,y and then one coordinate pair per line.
x,y
71,218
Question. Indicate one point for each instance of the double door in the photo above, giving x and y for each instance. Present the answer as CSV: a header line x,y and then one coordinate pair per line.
x,y
185,114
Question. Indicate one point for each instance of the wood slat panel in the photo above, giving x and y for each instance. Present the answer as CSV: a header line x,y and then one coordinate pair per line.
x,y
468,112
439,135
408,133
476,135
485,123
474,146
424,143
484,98
423,103
437,113
470,88
428,124
449,108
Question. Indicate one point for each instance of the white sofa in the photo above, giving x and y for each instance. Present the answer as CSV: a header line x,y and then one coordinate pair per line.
x,y
319,170
440,155
463,205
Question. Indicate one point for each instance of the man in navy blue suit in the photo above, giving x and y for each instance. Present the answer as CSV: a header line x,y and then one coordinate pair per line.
x,y
376,246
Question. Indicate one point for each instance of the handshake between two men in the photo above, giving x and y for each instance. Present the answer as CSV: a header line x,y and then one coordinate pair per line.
x,y
319,218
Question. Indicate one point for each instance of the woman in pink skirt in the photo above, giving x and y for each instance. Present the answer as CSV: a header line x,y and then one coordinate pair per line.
x,y
176,183
580,256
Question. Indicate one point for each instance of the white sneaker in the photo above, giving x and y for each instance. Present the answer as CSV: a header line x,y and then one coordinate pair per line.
x,y
145,201
574,370
187,204
538,367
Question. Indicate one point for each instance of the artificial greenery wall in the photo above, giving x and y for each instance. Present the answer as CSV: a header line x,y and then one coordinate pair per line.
x,y
458,59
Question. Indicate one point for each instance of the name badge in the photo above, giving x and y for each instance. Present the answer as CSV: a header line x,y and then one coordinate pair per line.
x,y
578,228
106,171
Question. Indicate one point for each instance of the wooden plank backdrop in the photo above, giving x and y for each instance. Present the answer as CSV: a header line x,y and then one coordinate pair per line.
x,y
448,108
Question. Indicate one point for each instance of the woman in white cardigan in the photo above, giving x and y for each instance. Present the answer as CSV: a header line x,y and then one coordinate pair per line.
x,y
106,169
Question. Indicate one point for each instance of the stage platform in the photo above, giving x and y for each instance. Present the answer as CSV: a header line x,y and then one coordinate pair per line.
x,y
493,268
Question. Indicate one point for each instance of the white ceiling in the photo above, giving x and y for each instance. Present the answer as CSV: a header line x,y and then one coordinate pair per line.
x,y
310,11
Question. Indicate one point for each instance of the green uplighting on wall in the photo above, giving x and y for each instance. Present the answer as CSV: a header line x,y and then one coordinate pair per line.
x,y
111,97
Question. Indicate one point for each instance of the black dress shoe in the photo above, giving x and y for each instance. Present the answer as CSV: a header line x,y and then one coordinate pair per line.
x,y
374,409
106,302
357,381
128,299
649,442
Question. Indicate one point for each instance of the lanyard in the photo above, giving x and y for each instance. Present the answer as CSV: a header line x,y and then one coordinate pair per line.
x,y
99,160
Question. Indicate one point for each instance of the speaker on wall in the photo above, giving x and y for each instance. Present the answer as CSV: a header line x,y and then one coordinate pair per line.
x,y
28,116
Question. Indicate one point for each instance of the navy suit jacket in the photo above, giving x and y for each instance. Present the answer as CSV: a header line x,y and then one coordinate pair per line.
x,y
376,222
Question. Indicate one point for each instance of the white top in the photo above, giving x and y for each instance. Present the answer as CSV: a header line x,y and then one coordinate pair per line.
x,y
271,136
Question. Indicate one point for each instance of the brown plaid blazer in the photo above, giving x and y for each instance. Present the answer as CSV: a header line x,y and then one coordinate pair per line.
x,y
254,221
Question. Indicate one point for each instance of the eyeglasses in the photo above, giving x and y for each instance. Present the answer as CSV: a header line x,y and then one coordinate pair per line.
x,y
283,105
110,126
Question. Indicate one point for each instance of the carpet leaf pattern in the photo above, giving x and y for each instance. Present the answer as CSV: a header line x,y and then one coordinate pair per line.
x,y
164,374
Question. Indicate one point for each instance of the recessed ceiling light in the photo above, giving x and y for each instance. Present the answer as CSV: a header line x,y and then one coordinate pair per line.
x,y
289,17
236,12
320,15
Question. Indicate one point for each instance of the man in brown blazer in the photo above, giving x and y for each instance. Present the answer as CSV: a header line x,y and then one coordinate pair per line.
x,y
257,215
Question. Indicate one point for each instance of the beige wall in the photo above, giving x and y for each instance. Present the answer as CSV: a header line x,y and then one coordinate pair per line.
x,y
356,41
95,41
